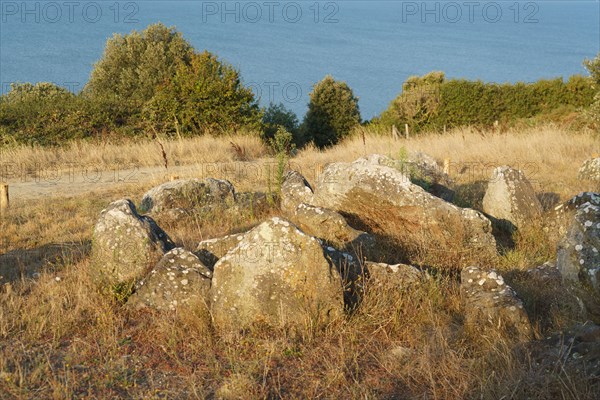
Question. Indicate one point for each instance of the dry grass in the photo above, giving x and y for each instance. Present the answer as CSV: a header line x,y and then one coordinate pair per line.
x,y
60,338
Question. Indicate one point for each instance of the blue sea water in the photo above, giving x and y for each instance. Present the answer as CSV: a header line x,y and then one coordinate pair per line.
x,y
283,47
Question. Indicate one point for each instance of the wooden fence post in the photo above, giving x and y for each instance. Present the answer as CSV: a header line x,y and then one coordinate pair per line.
x,y
395,133
406,130
4,199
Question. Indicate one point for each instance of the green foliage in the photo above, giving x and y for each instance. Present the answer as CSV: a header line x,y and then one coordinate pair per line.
x,y
134,65
593,67
206,96
283,146
432,102
277,116
418,103
332,113
46,114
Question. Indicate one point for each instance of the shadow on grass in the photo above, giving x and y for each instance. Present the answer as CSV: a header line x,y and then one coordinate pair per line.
x,y
21,264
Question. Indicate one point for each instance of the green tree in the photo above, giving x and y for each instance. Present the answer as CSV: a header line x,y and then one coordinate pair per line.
x,y
418,103
276,116
332,112
206,96
134,65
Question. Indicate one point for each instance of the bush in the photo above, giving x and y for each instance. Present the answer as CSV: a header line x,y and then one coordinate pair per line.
x,y
277,116
45,114
206,96
431,102
593,67
134,65
332,113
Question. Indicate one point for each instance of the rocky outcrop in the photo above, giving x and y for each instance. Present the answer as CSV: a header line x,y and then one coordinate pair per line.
x,y
578,254
385,200
178,280
125,244
490,304
276,275
294,191
510,197
182,196
590,170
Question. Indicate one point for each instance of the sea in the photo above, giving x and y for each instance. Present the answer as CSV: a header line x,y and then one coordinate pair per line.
x,y
282,48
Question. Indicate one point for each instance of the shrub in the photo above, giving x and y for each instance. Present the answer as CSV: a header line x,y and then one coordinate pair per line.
x,y
431,102
332,113
134,65
593,67
277,116
206,96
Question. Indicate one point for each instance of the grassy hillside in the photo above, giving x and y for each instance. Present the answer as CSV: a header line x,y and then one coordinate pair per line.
x,y
60,338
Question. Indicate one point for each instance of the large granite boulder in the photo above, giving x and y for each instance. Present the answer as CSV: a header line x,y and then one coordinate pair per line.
x,y
590,170
331,227
490,304
178,280
294,191
276,275
578,254
422,170
125,244
187,195
209,251
384,199
510,197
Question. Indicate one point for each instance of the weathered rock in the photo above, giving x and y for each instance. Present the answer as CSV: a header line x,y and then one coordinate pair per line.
x,y
510,197
396,276
209,251
186,195
590,170
422,170
332,227
578,254
178,280
277,275
491,304
125,245
385,200
249,203
547,273
294,190
577,349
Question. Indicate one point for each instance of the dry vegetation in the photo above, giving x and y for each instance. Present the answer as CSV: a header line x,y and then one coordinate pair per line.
x,y
60,338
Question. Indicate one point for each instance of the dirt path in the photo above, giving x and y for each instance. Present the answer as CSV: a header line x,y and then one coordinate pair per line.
x,y
76,182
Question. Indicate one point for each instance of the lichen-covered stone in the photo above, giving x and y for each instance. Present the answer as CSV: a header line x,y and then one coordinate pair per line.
x,y
125,245
395,276
422,170
209,251
187,195
491,304
590,170
386,201
578,255
178,280
276,275
294,191
510,197
332,227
